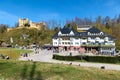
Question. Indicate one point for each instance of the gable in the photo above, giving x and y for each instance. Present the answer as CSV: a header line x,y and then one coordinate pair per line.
x,y
94,30
59,33
71,33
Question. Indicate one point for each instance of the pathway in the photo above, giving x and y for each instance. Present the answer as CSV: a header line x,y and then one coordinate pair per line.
x,y
46,56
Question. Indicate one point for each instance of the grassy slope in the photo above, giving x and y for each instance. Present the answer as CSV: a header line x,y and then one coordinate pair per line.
x,y
16,70
12,52
42,37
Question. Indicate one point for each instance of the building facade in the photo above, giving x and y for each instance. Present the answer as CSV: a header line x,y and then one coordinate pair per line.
x,y
23,22
26,23
39,25
92,40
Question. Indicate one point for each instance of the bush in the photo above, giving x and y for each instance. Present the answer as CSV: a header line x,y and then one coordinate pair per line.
x,y
102,59
66,58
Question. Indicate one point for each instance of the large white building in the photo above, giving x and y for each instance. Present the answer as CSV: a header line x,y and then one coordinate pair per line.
x,y
92,40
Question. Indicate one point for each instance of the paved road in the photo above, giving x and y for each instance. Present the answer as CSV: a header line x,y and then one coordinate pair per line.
x,y
46,56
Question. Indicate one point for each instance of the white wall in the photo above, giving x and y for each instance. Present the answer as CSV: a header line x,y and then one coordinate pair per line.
x,y
78,42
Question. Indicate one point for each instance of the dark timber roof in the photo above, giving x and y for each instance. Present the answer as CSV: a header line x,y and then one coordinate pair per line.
x,y
66,31
81,34
93,30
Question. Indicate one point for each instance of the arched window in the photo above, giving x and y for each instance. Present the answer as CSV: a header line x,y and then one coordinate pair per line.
x,y
101,33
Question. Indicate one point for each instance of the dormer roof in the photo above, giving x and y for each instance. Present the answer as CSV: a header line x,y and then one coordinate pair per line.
x,y
94,30
66,32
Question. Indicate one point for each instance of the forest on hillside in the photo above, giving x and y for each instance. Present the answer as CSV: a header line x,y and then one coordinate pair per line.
x,y
26,36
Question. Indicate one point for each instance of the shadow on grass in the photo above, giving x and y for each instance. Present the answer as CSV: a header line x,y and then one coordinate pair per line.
x,y
33,74
24,72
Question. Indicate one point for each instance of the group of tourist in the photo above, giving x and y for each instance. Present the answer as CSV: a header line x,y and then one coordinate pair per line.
x,y
4,57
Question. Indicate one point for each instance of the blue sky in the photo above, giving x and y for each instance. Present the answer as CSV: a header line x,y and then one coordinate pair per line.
x,y
60,10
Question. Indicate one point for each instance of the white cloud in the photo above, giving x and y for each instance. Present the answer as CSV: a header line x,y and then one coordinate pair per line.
x,y
8,18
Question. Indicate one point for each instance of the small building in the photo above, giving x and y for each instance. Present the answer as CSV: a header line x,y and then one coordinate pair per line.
x,y
92,40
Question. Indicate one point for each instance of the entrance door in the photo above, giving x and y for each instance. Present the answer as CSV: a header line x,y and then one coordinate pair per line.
x,y
65,48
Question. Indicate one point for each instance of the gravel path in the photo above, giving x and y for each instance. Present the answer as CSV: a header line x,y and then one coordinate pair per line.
x,y
46,56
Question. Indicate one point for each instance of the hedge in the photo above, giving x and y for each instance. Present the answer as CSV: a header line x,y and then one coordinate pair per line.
x,y
66,58
102,59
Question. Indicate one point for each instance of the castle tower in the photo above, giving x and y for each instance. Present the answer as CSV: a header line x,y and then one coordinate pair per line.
x,y
22,22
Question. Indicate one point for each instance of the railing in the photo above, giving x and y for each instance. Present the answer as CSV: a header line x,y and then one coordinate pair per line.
x,y
90,45
110,45
97,45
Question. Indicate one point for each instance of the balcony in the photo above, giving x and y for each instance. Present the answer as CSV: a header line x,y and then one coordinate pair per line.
x,y
90,45
109,45
97,45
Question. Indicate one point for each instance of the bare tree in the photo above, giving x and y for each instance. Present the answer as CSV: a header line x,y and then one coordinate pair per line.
x,y
3,28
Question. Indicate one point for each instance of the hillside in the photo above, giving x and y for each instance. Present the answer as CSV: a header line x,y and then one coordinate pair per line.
x,y
25,36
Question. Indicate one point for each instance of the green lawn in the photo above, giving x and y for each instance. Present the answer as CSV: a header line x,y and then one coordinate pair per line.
x,y
13,53
18,70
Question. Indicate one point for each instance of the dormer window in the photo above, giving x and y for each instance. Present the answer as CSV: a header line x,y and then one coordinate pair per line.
x,y
101,33
88,33
71,33
59,33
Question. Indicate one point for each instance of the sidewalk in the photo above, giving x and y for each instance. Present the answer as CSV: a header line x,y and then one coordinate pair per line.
x,y
46,56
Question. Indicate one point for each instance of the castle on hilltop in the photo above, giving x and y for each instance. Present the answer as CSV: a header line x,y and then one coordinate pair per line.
x,y
26,23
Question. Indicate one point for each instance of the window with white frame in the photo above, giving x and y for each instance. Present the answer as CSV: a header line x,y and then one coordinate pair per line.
x,y
55,38
76,43
71,43
77,38
55,42
101,33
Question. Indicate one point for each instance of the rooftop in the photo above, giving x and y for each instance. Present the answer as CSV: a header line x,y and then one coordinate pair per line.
x,y
94,30
84,26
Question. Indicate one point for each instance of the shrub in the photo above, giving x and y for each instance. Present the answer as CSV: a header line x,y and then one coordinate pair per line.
x,y
67,58
102,59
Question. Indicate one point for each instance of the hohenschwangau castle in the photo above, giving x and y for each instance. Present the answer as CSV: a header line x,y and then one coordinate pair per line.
x,y
28,23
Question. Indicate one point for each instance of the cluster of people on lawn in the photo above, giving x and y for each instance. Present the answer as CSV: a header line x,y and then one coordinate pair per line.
x,y
4,56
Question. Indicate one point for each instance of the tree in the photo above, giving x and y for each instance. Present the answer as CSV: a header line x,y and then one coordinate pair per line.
x,y
3,28
16,25
27,25
107,19
107,22
56,29
71,25
51,24
118,19
107,25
